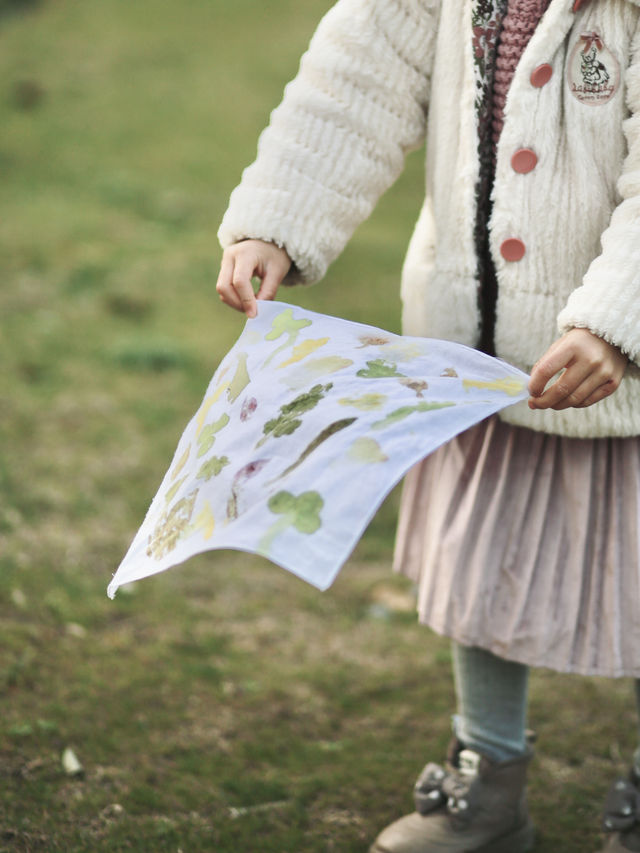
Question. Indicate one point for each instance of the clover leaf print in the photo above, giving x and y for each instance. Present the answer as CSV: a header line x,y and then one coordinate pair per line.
x,y
301,512
289,419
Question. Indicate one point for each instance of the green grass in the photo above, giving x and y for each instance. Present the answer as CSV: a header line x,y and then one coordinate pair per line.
x,y
225,705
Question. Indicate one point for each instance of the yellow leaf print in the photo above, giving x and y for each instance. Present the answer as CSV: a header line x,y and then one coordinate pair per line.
x,y
208,403
173,491
240,380
367,402
303,350
204,521
181,463
509,385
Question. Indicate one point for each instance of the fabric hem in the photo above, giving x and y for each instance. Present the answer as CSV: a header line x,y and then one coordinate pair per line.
x,y
523,659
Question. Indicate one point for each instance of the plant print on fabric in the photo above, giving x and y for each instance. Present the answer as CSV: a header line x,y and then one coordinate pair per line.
x,y
296,475
301,512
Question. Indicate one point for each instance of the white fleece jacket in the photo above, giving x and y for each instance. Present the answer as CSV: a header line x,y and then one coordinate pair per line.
x,y
378,76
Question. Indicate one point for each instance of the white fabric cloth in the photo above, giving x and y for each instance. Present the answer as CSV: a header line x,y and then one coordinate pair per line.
x,y
307,424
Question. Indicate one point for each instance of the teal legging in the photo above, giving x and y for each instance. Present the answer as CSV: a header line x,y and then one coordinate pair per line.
x,y
492,702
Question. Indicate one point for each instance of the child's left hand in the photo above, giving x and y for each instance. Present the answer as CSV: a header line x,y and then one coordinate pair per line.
x,y
592,369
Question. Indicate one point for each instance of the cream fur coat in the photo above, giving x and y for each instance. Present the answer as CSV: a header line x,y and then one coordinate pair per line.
x,y
380,75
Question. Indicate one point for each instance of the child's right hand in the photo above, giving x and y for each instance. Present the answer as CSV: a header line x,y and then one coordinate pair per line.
x,y
240,263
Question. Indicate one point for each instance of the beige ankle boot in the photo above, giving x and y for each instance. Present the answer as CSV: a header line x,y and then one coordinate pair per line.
x,y
473,805
622,816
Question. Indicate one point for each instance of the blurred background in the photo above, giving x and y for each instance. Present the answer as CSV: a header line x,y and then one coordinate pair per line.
x,y
225,705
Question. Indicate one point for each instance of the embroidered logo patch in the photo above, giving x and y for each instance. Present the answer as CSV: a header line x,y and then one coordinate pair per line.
x,y
593,72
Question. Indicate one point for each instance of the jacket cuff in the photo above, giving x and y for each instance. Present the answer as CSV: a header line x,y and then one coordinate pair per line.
x,y
608,301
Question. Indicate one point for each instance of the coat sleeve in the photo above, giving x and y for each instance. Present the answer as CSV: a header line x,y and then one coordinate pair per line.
x,y
608,301
338,139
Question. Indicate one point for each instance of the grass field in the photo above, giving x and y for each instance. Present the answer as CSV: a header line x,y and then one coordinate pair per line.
x,y
223,706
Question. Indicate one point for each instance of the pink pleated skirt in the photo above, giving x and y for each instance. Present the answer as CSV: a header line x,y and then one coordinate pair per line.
x,y
527,544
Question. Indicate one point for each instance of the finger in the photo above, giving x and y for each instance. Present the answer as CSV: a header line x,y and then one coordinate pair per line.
x,y
562,389
224,285
583,392
269,285
557,356
605,390
242,274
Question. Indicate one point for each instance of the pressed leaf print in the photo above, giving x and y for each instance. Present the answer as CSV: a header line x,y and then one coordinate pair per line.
x,y
301,512
508,385
289,418
379,369
207,435
212,467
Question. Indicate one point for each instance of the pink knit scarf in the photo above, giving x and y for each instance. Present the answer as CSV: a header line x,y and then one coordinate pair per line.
x,y
517,28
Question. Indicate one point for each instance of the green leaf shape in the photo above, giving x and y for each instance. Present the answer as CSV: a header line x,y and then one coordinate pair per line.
x,y
173,491
326,433
285,324
404,412
289,418
212,467
207,436
240,380
301,512
379,369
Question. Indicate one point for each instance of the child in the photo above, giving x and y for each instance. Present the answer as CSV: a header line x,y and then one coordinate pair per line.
x,y
528,246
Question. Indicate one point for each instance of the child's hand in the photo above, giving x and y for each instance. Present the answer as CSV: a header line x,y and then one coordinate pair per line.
x,y
592,367
240,263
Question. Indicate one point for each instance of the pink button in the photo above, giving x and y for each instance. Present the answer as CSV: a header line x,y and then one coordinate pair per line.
x,y
524,160
512,249
541,75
